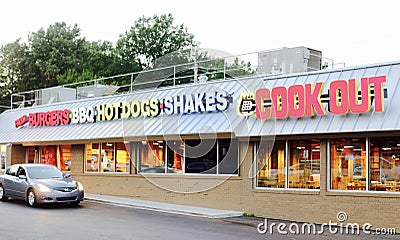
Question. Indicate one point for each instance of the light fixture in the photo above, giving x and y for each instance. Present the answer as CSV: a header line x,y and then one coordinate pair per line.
x,y
386,149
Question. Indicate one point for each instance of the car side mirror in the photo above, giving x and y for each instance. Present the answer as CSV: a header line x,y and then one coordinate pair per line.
x,y
67,175
22,177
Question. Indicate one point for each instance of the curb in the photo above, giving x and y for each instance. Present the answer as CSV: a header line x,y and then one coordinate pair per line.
x,y
171,208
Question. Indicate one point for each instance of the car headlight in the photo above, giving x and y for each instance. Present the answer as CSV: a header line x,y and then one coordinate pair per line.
x,y
43,188
80,186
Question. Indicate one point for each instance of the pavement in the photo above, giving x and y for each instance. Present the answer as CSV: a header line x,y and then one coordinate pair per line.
x,y
162,207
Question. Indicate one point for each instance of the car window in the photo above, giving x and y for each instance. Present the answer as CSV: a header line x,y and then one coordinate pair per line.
x,y
12,170
44,172
21,171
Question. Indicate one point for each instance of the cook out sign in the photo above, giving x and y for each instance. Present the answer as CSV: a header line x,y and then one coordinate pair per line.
x,y
297,101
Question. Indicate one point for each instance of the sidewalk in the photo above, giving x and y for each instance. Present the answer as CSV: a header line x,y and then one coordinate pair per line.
x,y
162,207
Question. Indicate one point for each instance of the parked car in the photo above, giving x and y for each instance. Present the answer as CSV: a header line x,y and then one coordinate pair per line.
x,y
39,183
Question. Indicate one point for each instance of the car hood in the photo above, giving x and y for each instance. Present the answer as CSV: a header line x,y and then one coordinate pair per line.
x,y
56,182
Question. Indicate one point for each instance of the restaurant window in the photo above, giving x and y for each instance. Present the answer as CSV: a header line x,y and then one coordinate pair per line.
x,y
201,156
92,157
49,155
348,164
271,164
384,167
65,157
107,157
122,157
304,164
228,152
208,156
31,154
152,156
175,156
58,156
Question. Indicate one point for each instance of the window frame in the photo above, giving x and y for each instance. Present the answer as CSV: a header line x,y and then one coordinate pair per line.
x,y
256,145
114,159
368,171
184,162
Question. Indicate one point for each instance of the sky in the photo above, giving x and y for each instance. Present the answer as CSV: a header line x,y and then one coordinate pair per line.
x,y
352,32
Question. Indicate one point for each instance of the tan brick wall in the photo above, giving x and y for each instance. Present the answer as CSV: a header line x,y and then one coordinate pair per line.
x,y
17,155
77,158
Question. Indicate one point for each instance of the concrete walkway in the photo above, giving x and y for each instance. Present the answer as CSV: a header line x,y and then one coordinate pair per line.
x,y
162,207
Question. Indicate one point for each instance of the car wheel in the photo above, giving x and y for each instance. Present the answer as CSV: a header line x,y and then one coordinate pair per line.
x,y
3,196
32,198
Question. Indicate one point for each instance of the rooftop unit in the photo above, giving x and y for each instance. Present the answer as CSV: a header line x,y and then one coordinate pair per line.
x,y
289,60
54,95
95,90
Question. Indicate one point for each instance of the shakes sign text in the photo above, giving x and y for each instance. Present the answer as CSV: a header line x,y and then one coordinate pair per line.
x,y
181,104
307,100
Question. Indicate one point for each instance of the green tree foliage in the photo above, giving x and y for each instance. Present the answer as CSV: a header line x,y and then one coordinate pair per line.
x,y
55,51
98,59
11,58
151,38
13,68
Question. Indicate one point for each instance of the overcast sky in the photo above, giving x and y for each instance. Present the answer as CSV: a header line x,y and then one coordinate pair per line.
x,y
350,31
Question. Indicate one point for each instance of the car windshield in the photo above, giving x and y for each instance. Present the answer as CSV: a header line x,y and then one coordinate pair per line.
x,y
44,172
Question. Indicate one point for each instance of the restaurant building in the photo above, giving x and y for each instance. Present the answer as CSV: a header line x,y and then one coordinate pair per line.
x,y
299,147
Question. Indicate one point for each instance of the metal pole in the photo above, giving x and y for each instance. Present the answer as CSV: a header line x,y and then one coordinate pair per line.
x,y
224,67
131,82
174,82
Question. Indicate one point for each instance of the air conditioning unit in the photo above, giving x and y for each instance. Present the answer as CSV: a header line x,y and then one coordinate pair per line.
x,y
289,60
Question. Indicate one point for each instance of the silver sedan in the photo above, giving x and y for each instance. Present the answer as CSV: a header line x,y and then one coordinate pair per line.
x,y
39,183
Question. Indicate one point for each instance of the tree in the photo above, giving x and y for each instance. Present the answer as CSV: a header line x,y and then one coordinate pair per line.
x,y
99,59
55,51
13,68
102,59
151,38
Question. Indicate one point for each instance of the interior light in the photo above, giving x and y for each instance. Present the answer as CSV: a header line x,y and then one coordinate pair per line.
x,y
386,149
348,146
